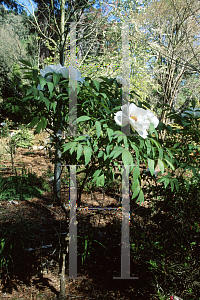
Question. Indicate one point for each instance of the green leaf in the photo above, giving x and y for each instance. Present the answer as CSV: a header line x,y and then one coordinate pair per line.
x,y
16,109
42,82
161,165
35,91
100,154
35,74
151,166
136,173
160,153
176,145
82,119
53,105
29,91
170,154
172,185
104,95
39,127
26,63
136,149
107,110
166,182
135,184
50,87
141,197
148,145
151,128
96,175
47,102
116,152
98,128
100,180
119,139
127,158
176,184
155,142
108,148
97,84
43,123
80,138
170,164
67,146
110,133
136,192
79,151
87,154
96,148
73,147
56,78
34,121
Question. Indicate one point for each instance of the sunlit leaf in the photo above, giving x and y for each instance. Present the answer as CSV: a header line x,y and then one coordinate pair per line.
x,y
79,151
97,84
26,62
87,154
98,128
151,164
83,119
161,165
127,158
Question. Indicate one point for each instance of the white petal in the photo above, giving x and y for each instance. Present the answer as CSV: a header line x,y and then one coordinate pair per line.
x,y
57,68
65,72
152,118
140,130
46,70
136,111
119,119
121,80
39,87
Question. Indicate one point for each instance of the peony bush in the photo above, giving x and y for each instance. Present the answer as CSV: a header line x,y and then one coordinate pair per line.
x,y
45,105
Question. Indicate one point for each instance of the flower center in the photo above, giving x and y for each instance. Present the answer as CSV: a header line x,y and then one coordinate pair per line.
x,y
134,118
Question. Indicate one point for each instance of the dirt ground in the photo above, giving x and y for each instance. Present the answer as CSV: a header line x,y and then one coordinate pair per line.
x,y
35,270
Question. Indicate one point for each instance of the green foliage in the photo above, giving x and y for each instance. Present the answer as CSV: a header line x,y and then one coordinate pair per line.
x,y
97,102
16,76
87,245
182,141
23,138
166,243
21,187
13,32
6,128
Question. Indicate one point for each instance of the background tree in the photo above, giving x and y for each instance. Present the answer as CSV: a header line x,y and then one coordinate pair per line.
x,y
14,34
164,46
171,31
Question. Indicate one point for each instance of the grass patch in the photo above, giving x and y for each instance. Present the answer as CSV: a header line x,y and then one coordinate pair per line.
x,y
21,187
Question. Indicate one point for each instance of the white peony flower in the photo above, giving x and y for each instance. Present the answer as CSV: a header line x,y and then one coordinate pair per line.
x,y
192,112
139,118
121,80
59,69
